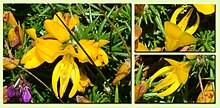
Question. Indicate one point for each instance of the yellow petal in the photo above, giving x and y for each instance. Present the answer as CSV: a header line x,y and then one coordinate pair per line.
x,y
103,42
65,75
176,13
75,77
184,22
173,62
186,39
55,76
31,59
170,79
57,20
183,72
74,20
47,49
170,90
141,47
103,55
193,28
57,30
160,72
32,33
70,50
90,50
206,9
172,36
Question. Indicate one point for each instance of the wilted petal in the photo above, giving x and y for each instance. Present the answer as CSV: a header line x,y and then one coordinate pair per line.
x,y
9,17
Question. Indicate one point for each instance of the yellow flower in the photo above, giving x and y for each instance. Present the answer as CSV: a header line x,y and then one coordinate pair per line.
x,y
57,29
98,55
84,82
44,50
177,74
176,35
64,70
206,9
15,35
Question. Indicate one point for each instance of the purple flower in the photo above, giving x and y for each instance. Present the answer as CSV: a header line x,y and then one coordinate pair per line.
x,y
21,90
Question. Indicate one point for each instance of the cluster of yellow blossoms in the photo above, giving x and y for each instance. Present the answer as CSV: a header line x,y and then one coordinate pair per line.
x,y
48,47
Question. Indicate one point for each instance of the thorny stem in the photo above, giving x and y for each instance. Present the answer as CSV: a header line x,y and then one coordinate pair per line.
x,y
110,22
80,46
32,76
201,86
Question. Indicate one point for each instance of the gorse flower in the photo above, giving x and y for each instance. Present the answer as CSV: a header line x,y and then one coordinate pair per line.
x,y
177,74
92,48
176,35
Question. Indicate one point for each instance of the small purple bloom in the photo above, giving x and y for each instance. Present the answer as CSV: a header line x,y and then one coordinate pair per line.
x,y
21,90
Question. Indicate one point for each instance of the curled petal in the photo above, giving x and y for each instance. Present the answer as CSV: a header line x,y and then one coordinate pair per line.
x,y
170,90
184,22
176,13
193,28
170,79
57,30
55,76
103,42
160,72
75,77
